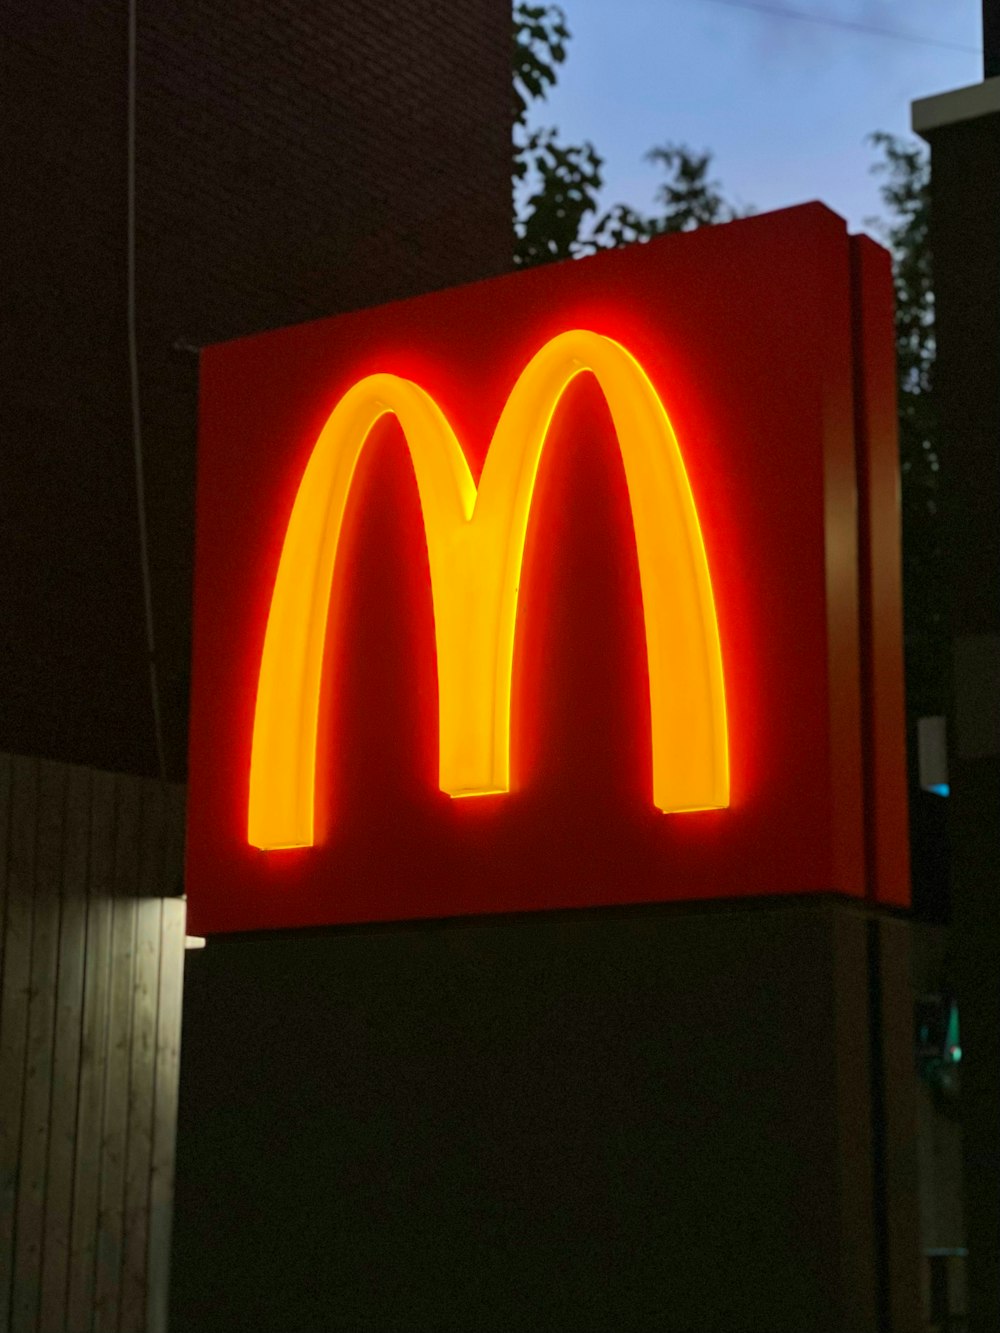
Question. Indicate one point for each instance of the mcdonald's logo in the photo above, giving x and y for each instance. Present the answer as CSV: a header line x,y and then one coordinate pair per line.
x,y
475,543
647,567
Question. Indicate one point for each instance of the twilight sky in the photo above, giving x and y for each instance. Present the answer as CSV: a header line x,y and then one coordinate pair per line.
x,y
785,104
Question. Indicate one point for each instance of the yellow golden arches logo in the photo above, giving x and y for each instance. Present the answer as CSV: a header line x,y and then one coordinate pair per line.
x,y
475,545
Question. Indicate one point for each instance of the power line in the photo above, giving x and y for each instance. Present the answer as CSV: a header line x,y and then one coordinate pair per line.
x,y
133,361
831,22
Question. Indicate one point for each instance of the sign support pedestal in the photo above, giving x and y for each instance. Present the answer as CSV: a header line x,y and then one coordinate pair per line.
x,y
625,1041
664,1117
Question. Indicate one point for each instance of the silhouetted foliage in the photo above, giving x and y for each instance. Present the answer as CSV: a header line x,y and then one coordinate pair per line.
x,y
566,179
564,184
905,168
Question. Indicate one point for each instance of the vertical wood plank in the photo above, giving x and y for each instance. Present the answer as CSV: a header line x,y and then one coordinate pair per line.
x,y
91,963
110,1230
138,1165
41,1034
168,1045
6,779
6,773
14,1007
140,1134
93,1044
66,1056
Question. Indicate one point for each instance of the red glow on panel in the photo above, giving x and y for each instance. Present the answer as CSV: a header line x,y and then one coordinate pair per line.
x,y
744,333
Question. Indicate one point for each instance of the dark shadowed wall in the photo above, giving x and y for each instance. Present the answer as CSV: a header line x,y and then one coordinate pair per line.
x,y
294,159
659,1118
963,129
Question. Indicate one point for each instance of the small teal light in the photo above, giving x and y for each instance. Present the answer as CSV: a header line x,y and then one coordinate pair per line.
x,y
940,789
952,1040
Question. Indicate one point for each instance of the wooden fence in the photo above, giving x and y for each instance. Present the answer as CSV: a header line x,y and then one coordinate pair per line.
x,y
91,969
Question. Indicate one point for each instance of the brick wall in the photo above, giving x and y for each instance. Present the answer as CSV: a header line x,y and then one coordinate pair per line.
x,y
293,160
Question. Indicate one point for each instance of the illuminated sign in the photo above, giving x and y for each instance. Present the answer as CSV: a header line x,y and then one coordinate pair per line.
x,y
475,545
594,544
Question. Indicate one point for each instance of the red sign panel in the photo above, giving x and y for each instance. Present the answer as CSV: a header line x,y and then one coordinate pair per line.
x,y
555,590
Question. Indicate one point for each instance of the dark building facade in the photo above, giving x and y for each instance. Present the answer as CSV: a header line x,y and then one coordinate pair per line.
x,y
290,160
963,130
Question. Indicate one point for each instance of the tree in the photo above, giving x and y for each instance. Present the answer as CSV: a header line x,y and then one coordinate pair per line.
x,y
905,167
565,180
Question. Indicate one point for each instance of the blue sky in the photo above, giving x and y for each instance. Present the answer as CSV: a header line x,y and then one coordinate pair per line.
x,y
784,104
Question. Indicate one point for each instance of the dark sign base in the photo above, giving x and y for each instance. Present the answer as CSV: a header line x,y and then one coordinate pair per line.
x,y
629,1119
